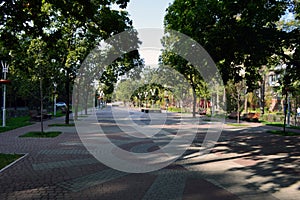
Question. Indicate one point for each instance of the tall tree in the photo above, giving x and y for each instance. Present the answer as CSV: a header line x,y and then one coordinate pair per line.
x,y
234,33
71,29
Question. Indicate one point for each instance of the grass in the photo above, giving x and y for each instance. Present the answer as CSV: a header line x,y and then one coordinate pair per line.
x,y
59,113
67,125
83,115
6,159
280,132
179,110
237,125
279,124
14,123
38,134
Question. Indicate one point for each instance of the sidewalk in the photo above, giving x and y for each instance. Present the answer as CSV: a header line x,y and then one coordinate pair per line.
x,y
247,163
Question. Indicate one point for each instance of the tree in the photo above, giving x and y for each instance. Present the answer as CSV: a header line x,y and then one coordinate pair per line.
x,y
70,30
234,33
175,44
36,52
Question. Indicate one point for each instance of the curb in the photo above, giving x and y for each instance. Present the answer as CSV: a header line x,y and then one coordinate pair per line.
x,y
11,164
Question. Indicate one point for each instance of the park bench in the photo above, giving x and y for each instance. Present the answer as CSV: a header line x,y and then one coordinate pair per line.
x,y
202,112
233,115
251,117
36,116
46,115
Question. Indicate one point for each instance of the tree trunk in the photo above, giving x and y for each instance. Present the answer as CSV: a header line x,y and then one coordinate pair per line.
x,y
86,102
262,97
238,107
246,104
67,119
41,101
285,112
76,105
194,102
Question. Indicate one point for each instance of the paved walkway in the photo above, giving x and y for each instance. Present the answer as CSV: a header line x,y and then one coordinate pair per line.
x,y
246,163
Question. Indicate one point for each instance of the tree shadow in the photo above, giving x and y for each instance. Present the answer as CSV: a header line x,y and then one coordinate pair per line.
x,y
276,158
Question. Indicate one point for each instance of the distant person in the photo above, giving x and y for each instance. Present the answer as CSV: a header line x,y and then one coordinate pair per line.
x,y
298,111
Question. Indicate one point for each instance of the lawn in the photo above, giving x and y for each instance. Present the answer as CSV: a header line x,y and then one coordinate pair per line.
x,y
38,134
280,132
59,113
67,125
17,122
6,159
279,124
237,125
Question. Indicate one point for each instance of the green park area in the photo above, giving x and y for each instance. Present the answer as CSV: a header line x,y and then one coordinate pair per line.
x,y
6,159
221,60
232,65
242,62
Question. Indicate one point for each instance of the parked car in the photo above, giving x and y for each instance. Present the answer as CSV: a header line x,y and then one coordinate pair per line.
x,y
61,104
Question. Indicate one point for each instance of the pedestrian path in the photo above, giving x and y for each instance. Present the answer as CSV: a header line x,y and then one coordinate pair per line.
x,y
62,168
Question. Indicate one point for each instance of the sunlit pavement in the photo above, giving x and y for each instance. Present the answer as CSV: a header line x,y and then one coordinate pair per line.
x,y
246,163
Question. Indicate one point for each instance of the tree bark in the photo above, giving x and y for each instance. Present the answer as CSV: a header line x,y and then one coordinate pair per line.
x,y
194,102
238,107
41,104
67,119
285,112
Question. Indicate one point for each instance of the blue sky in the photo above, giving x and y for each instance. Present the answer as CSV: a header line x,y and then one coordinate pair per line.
x,y
148,13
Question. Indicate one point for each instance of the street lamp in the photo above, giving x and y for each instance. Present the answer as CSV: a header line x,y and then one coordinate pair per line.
x,y
288,111
166,99
96,87
54,106
146,94
140,96
4,82
153,95
101,99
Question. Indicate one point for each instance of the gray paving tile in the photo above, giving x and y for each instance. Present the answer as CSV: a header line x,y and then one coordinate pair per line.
x,y
90,180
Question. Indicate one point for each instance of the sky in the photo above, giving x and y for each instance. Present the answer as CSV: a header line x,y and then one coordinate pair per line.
x,y
147,13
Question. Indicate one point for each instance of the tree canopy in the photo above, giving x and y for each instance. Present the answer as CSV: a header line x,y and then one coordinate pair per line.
x,y
65,32
237,34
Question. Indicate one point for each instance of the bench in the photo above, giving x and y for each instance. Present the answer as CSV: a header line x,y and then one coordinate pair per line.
x,y
233,115
46,115
36,116
251,117
202,112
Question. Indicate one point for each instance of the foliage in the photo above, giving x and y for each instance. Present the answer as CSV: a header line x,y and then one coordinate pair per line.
x,y
279,124
6,159
238,125
169,58
64,125
236,34
283,133
125,90
14,123
57,35
42,134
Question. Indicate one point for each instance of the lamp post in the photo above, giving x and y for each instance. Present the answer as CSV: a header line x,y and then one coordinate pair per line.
x,y
54,106
140,96
166,99
4,82
288,111
96,87
146,94
153,95
101,95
